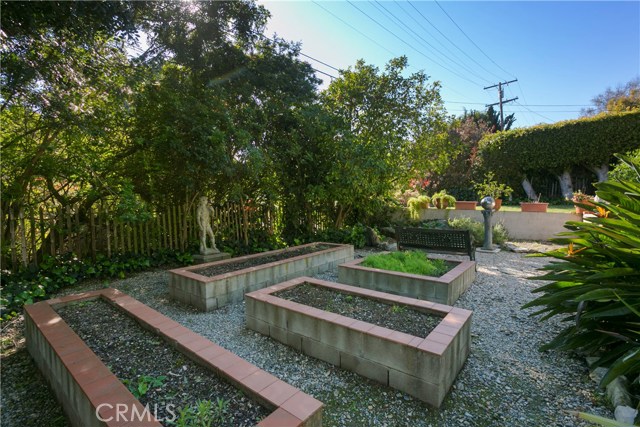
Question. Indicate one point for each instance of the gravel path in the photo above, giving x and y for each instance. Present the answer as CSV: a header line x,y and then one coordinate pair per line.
x,y
505,382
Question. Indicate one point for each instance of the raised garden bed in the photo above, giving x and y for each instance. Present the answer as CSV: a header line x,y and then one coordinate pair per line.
x,y
423,366
89,391
445,289
213,285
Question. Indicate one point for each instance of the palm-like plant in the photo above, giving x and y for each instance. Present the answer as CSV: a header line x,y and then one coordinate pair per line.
x,y
596,283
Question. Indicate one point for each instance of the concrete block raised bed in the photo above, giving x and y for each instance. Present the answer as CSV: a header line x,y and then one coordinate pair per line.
x,y
424,367
89,392
445,289
209,293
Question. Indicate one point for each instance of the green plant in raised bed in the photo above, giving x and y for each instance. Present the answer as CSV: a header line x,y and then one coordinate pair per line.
x,y
595,286
414,262
144,383
398,309
205,413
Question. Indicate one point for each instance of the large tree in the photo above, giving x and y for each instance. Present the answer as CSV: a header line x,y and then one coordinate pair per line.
x,y
393,130
623,98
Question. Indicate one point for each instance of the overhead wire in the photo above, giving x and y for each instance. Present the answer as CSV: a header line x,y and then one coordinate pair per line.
x,y
373,40
351,26
422,40
450,41
471,40
534,112
408,44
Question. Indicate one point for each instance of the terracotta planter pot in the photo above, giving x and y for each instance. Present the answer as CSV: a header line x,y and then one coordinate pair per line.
x,y
533,206
466,205
439,205
581,210
498,204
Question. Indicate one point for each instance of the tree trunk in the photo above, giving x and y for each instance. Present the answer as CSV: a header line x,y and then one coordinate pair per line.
x,y
602,171
566,186
528,188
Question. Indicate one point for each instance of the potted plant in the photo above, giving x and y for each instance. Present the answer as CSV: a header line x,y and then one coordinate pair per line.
x,y
415,204
442,200
491,187
582,202
534,206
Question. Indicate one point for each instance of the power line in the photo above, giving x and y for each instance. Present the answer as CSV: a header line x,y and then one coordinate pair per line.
x,y
351,26
374,41
449,40
423,41
470,39
534,112
317,60
408,44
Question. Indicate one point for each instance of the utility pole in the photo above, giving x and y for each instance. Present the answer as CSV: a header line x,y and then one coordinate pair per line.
x,y
501,101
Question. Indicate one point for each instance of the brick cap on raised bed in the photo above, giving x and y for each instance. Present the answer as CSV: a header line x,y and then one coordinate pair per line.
x,y
436,342
291,407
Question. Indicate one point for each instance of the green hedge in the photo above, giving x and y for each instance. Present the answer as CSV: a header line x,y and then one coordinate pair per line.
x,y
585,142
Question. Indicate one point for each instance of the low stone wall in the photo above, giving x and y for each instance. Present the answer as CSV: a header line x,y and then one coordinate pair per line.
x,y
423,367
83,384
445,289
210,293
521,225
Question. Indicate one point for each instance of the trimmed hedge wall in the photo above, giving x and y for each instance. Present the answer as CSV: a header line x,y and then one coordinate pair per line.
x,y
585,142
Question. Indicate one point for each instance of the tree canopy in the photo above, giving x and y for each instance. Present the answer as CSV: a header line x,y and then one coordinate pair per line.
x,y
159,101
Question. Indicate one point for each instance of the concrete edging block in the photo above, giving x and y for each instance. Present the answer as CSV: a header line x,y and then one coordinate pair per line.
x,y
445,289
84,385
423,367
188,286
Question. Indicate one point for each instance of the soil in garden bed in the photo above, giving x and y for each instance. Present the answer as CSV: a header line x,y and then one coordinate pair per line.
x,y
396,317
131,352
228,267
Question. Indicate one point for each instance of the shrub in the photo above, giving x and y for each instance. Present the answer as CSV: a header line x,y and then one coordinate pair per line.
x,y
353,235
490,187
414,262
595,285
499,234
416,203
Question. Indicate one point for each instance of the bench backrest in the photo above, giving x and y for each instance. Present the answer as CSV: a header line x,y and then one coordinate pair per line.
x,y
442,241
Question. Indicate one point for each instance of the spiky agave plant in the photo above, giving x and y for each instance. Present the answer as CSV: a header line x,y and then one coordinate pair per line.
x,y
595,285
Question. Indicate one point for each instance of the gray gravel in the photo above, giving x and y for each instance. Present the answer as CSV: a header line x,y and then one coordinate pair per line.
x,y
505,381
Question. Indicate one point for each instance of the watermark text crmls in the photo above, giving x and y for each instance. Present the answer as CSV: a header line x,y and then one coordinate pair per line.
x,y
126,412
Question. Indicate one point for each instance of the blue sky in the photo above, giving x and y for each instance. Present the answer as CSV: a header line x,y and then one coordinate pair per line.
x,y
562,53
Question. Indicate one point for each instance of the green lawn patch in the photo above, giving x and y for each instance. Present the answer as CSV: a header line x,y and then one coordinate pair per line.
x,y
414,262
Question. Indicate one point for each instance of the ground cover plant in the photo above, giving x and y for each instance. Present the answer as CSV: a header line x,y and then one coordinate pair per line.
x,y
595,284
53,273
414,262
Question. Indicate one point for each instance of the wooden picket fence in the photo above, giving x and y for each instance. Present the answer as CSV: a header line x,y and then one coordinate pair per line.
x,y
38,231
